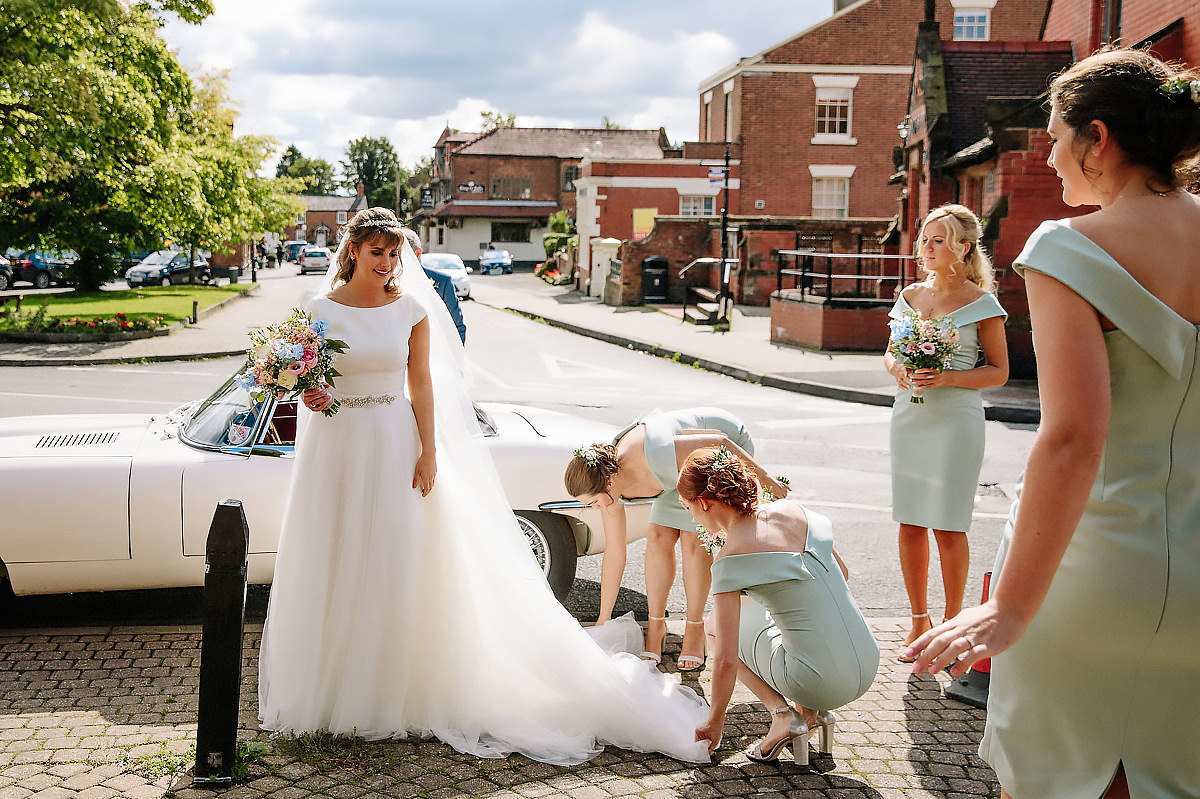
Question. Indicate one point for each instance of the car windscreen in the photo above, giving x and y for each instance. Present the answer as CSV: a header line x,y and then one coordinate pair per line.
x,y
442,263
225,419
157,258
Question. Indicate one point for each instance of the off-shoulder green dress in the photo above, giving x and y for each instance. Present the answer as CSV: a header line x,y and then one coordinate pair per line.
x,y
801,630
937,446
1108,672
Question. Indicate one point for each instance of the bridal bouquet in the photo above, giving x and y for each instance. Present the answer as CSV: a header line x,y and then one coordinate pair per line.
x,y
292,356
923,343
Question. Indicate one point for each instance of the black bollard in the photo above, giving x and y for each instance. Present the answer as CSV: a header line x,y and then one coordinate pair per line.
x,y
221,644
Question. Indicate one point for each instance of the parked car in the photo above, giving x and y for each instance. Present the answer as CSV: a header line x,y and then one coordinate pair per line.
x,y
42,268
6,273
291,249
165,267
315,259
143,489
453,267
493,261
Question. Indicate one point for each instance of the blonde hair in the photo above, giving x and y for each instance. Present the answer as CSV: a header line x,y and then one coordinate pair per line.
x,y
716,473
963,233
368,225
589,471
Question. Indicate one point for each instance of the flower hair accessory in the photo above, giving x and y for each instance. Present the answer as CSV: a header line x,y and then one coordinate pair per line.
x,y
590,455
722,459
1178,86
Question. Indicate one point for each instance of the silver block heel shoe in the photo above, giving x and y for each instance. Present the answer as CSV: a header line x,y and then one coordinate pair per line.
x,y
827,723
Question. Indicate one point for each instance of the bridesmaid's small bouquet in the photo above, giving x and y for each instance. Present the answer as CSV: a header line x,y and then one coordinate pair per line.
x,y
292,356
923,343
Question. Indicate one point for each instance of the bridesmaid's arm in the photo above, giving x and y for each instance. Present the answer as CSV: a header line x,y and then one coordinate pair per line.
x,y
612,562
724,621
420,390
1073,373
993,373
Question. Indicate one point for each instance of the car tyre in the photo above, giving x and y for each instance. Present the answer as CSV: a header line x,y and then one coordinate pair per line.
x,y
41,280
553,544
166,281
206,277
3,282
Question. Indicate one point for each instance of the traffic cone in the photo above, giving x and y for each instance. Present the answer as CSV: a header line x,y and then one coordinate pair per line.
x,y
972,687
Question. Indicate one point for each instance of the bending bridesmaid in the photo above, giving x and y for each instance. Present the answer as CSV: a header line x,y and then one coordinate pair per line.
x,y
937,445
1093,625
642,462
797,641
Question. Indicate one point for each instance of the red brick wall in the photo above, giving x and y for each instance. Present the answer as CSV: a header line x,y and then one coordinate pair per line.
x,y
827,327
1080,22
544,174
678,240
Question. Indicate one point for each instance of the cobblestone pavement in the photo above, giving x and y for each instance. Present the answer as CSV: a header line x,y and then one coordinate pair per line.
x,y
111,712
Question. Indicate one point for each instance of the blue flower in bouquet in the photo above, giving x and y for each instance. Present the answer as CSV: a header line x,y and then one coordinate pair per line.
x,y
291,357
923,343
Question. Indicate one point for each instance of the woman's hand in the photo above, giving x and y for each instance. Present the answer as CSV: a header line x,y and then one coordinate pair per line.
x,y
425,472
929,378
957,644
779,489
317,399
711,731
901,374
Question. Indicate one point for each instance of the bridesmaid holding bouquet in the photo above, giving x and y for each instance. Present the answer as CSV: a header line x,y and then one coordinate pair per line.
x,y
937,419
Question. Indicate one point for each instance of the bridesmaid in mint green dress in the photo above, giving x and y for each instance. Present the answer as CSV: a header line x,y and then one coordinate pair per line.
x,y
796,639
937,445
1094,622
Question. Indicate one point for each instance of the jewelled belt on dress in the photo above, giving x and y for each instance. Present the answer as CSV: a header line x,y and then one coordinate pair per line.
x,y
371,399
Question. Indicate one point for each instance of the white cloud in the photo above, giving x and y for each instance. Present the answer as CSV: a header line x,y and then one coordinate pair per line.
x,y
318,76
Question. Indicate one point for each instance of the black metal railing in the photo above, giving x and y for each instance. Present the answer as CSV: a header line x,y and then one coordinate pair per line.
x,y
845,276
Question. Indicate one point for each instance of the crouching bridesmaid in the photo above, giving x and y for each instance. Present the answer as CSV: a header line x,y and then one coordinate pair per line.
x,y
797,640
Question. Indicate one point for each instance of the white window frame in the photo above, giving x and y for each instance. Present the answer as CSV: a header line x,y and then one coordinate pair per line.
x,y
300,218
840,88
697,205
341,217
973,8
831,186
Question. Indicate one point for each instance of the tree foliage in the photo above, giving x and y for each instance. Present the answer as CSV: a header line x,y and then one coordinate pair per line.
x,y
373,161
106,145
497,119
316,173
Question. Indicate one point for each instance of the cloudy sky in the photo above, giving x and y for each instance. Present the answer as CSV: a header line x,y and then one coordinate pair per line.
x,y
318,74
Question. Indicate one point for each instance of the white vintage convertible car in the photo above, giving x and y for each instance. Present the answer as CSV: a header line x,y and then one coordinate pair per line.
x,y
125,501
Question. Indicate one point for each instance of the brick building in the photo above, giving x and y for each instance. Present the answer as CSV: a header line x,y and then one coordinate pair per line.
x,y
816,114
500,187
324,217
1170,27
621,199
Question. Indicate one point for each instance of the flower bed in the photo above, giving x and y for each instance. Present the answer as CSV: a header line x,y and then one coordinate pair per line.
x,y
119,327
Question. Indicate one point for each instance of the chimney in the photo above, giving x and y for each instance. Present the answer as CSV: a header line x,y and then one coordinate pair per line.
x,y
361,189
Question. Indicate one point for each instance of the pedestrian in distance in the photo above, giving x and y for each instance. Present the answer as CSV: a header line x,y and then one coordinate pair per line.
x,y
783,623
405,603
1092,624
937,429
279,253
642,463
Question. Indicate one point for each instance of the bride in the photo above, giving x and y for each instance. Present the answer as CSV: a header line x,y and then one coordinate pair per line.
x,y
405,601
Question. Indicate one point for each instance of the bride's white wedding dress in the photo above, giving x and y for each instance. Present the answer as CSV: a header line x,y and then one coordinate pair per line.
x,y
392,615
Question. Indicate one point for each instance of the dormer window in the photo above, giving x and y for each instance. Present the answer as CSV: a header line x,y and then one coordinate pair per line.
x,y
972,20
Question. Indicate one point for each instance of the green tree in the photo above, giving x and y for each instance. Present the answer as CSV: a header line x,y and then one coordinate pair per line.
x,y
90,99
373,161
496,119
213,197
316,173
609,124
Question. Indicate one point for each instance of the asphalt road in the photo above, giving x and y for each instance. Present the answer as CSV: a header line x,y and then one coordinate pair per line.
x,y
835,453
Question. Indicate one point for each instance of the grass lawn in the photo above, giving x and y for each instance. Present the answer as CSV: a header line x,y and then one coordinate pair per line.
x,y
172,303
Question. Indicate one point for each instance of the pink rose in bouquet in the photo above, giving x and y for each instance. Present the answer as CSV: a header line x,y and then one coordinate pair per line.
x,y
291,357
923,343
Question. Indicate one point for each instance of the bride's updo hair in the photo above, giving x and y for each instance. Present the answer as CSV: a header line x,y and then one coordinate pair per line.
x,y
1151,109
716,473
590,469
368,225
